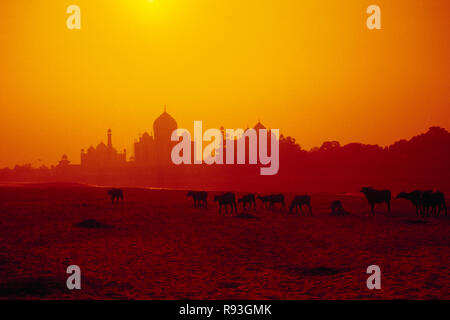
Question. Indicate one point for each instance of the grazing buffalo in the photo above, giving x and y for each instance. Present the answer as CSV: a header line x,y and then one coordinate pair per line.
x,y
273,199
416,198
337,209
200,198
226,199
248,199
299,201
115,194
377,196
265,200
434,201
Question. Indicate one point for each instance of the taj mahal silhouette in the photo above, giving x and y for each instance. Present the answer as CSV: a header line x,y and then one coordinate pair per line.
x,y
149,149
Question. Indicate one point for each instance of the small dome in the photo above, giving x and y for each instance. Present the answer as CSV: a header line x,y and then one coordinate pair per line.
x,y
146,136
101,145
259,126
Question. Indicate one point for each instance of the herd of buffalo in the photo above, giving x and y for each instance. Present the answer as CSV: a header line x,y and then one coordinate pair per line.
x,y
248,201
426,202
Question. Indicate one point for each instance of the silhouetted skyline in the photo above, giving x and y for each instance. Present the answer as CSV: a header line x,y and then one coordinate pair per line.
x,y
421,162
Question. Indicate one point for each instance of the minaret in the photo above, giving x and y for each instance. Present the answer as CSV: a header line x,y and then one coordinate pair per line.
x,y
82,157
109,139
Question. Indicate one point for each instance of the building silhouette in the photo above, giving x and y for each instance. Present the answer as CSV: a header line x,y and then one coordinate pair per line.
x,y
103,155
235,141
155,149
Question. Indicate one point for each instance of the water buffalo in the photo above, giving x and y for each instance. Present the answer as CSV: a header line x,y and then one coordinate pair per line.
x,y
226,199
299,201
273,199
115,194
248,199
377,196
416,198
264,200
337,209
434,201
200,198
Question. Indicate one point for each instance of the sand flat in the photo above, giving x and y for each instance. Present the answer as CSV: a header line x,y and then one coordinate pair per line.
x,y
159,247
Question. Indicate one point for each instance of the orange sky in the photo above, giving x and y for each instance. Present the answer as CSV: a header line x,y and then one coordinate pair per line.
x,y
310,68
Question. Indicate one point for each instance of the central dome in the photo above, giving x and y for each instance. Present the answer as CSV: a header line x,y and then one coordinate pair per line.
x,y
163,126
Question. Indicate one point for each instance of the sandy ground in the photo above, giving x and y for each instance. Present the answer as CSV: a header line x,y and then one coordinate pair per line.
x,y
160,247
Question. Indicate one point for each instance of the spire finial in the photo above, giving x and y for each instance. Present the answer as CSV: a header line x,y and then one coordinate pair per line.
x,y
165,107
